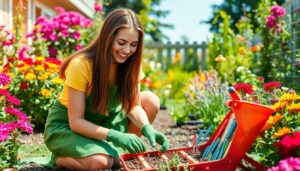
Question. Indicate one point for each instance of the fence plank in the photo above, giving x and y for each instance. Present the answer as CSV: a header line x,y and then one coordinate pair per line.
x,y
166,52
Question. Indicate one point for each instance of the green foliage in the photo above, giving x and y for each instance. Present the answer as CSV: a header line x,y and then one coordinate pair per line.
x,y
236,9
177,78
148,13
172,164
234,49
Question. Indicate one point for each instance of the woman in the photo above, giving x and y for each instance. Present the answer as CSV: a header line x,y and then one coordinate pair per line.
x,y
100,113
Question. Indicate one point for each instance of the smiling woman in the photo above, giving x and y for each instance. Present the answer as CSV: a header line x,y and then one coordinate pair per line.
x,y
101,113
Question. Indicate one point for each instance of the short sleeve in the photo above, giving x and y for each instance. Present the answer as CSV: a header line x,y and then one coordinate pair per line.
x,y
141,74
78,74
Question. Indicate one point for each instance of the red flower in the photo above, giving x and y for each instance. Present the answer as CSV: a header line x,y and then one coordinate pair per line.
x,y
244,88
24,85
270,86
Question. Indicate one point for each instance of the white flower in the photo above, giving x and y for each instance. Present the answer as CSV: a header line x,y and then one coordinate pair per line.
x,y
169,86
166,92
239,69
158,65
152,65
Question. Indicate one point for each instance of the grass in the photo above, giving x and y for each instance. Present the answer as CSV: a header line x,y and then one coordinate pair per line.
x,y
33,150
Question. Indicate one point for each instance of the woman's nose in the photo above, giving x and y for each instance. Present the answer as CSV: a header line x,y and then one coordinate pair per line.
x,y
126,49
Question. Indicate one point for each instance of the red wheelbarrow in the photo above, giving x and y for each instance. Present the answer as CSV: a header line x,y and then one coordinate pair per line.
x,y
249,119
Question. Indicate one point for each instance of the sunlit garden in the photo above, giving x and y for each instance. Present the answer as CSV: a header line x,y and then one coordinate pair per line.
x,y
260,59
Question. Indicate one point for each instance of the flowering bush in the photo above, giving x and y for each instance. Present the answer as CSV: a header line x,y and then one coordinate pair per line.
x,y
36,83
62,35
205,96
155,81
280,136
12,122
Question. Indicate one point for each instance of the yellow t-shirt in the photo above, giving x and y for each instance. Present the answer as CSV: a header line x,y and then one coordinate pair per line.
x,y
79,76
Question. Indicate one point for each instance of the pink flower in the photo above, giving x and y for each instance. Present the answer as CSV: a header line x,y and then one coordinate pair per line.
x,y
76,35
289,144
78,47
289,164
22,52
52,51
271,21
98,7
59,9
18,113
24,126
4,79
277,11
270,86
13,100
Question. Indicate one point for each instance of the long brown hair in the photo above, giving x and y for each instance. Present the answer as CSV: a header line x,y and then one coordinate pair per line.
x,y
99,52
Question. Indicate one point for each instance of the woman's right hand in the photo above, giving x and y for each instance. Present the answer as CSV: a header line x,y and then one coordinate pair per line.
x,y
131,142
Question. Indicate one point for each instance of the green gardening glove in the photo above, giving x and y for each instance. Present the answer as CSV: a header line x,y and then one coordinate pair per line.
x,y
125,140
155,136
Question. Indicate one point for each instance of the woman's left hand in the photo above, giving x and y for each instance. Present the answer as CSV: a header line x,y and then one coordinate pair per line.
x,y
155,136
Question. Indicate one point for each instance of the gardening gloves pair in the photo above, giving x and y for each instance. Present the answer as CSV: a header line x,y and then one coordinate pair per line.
x,y
128,141
155,136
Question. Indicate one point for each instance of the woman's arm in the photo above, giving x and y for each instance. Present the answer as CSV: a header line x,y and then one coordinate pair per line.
x,y
138,115
76,108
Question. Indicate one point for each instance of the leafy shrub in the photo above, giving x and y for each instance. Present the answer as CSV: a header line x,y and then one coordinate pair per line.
x,y
36,83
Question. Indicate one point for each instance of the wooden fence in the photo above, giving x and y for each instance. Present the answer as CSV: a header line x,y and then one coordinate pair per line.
x,y
193,56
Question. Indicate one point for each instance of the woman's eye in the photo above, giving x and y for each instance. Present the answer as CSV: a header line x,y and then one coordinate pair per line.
x,y
133,45
121,43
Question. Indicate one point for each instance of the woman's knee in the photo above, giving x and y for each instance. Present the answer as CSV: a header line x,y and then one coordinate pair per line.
x,y
150,100
100,162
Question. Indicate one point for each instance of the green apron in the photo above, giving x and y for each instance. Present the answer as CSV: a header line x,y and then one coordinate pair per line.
x,y
62,141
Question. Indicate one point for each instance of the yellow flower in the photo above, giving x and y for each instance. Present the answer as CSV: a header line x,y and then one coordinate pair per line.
x,y
157,85
242,50
220,58
272,120
279,105
177,58
39,68
23,68
294,108
282,132
39,58
289,97
30,76
57,80
43,77
45,92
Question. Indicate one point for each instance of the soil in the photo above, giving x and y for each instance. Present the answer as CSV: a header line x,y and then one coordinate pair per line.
x,y
179,136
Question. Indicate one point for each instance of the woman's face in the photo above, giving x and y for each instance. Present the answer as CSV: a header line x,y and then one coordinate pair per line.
x,y
124,44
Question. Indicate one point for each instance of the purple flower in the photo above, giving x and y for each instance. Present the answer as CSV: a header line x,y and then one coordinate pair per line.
x,y
277,11
4,79
98,7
